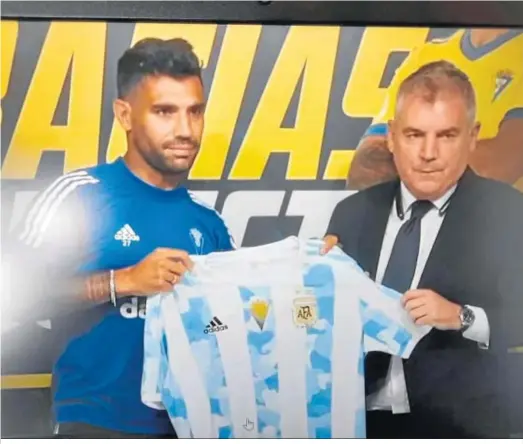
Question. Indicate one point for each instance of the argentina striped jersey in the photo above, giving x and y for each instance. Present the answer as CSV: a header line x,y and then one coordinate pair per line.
x,y
269,341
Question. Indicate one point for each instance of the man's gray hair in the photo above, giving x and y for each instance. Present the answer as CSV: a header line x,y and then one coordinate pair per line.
x,y
432,79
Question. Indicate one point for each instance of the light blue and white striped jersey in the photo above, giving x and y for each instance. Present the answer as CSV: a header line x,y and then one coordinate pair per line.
x,y
269,342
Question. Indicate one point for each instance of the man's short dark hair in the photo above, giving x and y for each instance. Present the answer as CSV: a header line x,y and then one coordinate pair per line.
x,y
156,57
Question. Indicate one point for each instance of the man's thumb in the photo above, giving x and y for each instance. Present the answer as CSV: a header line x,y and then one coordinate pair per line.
x,y
329,241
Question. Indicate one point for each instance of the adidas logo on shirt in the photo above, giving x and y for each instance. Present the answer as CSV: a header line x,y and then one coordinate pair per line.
x,y
215,326
135,308
127,235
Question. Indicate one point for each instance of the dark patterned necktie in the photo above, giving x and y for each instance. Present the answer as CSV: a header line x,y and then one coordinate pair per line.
x,y
398,276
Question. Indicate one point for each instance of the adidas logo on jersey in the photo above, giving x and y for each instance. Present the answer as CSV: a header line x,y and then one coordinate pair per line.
x,y
215,326
135,308
127,235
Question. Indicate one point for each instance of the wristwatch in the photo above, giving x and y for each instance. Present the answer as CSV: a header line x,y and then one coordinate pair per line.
x,y
467,318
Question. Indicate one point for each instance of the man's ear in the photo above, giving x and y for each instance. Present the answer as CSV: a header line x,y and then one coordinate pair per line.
x,y
122,111
390,132
474,136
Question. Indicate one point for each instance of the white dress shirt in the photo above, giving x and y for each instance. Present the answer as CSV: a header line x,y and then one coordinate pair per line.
x,y
393,394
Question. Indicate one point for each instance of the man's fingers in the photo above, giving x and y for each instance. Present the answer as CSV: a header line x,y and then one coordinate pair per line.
x,y
329,242
412,295
187,262
170,277
177,255
412,304
177,268
418,313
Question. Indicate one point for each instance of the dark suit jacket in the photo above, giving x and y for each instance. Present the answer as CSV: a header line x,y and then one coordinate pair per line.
x,y
477,259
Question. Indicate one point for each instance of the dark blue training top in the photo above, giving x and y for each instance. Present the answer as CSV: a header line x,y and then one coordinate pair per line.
x,y
97,377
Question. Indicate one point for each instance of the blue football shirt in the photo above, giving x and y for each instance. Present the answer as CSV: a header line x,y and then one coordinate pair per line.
x,y
269,341
106,218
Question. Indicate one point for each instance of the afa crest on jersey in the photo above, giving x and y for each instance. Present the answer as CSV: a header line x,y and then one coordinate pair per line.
x,y
305,311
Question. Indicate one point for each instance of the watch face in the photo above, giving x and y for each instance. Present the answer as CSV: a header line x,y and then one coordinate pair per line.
x,y
467,317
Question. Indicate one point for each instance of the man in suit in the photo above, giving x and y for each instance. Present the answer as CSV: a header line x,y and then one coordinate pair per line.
x,y
450,242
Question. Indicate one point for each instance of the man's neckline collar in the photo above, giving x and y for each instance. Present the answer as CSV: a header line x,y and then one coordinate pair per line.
x,y
408,198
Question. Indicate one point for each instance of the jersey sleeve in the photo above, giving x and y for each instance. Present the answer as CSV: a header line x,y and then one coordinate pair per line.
x,y
45,252
225,240
387,327
379,125
55,226
155,358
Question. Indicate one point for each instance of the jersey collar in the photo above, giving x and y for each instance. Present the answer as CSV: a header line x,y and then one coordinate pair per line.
x,y
475,52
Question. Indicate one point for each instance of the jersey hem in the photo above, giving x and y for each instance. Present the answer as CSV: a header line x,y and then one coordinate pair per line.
x,y
153,402
99,419
412,344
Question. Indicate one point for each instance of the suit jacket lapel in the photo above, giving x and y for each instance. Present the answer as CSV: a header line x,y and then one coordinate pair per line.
x,y
374,224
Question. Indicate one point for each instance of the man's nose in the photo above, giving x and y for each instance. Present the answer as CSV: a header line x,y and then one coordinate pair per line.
x,y
182,126
429,149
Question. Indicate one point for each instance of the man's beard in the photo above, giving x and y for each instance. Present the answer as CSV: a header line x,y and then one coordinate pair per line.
x,y
168,164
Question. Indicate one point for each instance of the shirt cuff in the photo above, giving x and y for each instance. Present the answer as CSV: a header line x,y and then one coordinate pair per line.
x,y
479,331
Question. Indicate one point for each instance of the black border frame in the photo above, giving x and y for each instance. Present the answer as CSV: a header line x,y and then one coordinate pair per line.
x,y
382,13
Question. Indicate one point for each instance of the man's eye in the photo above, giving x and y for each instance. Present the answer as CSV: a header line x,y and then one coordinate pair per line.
x,y
197,111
